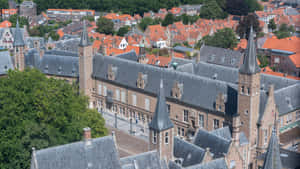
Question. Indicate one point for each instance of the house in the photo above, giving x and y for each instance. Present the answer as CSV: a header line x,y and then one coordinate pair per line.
x,y
191,10
157,36
28,9
6,13
69,14
284,54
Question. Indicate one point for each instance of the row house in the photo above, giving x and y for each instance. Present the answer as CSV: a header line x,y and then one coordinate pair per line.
x,y
122,20
69,14
157,36
6,13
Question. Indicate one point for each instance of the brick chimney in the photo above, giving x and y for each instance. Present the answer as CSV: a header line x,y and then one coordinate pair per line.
x,y
236,129
86,133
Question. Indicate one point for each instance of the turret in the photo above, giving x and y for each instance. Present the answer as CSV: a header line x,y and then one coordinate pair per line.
x,y
161,128
19,48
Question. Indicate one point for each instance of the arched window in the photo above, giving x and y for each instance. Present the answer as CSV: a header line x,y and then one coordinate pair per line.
x,y
167,138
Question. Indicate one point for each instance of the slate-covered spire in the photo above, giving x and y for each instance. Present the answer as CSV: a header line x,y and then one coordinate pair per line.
x,y
84,39
272,158
250,65
18,36
161,120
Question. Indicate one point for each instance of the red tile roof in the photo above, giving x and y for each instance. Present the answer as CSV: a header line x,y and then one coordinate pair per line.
x,y
5,24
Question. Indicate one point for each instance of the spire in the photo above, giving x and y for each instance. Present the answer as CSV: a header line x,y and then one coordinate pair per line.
x,y
18,36
250,65
84,39
272,158
161,120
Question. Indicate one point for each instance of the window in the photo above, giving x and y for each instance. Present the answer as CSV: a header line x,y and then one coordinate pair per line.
x,y
219,107
265,137
100,89
277,60
154,138
232,164
243,90
201,120
117,94
123,97
147,104
298,115
216,124
167,138
134,99
281,121
182,131
289,118
185,115
248,90
168,108
246,112
178,131
104,90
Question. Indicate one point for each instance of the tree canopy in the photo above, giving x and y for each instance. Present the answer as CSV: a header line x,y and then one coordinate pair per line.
x,y
284,31
105,26
212,10
169,19
242,7
123,30
40,112
22,20
245,24
223,38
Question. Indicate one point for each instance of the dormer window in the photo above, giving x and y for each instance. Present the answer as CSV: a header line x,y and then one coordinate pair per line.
x,y
112,72
177,90
142,80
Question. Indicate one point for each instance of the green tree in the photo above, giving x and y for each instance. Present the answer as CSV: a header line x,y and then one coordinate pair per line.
x,y
223,38
3,4
211,10
145,22
105,26
22,20
123,30
245,23
40,112
272,24
169,19
242,7
53,35
284,31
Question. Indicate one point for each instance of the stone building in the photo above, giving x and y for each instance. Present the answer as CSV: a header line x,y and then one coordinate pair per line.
x,y
232,108
28,9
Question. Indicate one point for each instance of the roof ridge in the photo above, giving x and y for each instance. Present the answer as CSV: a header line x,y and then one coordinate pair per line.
x,y
216,136
290,86
137,155
190,143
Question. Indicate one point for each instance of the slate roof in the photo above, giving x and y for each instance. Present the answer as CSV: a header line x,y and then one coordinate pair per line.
x,y
189,153
59,65
62,52
68,44
214,164
197,91
161,120
182,49
250,65
18,36
6,62
173,165
30,40
223,132
218,145
272,158
102,153
288,99
220,56
289,159
129,56
147,160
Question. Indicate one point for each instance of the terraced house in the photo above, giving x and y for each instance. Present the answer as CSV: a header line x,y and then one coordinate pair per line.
x,y
200,97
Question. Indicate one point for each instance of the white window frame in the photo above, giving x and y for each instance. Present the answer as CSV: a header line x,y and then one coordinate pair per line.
x,y
134,99
147,104
154,137
99,89
216,123
117,94
201,120
185,115
123,96
167,138
104,90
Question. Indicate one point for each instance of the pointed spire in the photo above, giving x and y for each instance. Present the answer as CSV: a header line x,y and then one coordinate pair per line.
x,y
250,65
18,36
84,39
272,158
161,120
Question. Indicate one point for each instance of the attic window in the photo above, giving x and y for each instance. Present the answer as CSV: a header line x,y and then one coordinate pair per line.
x,y
5,67
59,69
215,76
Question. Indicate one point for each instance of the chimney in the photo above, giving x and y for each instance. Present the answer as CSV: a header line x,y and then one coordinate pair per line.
x,y
86,133
236,129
